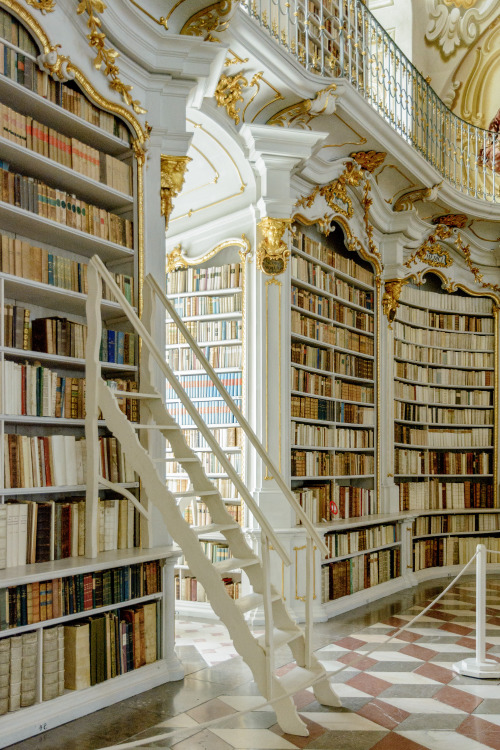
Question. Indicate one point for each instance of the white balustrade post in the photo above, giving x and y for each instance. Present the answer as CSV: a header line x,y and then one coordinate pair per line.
x,y
480,666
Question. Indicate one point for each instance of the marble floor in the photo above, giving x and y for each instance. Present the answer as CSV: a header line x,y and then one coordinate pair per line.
x,y
403,696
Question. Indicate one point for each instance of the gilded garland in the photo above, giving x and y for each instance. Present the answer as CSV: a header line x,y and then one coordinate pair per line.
x,y
430,252
335,192
44,6
106,56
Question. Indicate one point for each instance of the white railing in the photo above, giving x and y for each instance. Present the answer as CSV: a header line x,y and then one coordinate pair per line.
x,y
341,39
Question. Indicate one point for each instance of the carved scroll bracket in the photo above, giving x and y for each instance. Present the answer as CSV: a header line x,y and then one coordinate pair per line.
x,y
173,170
390,298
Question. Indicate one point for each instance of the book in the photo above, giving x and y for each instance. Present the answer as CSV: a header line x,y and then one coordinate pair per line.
x,y
77,656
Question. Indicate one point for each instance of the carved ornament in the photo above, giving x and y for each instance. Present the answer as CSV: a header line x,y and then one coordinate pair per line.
x,y
213,18
273,251
301,114
57,66
369,160
229,92
105,58
175,259
173,169
452,220
161,21
44,6
405,202
336,191
390,298
430,252
478,276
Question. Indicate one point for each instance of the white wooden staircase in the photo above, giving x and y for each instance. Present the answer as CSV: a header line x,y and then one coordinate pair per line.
x,y
279,628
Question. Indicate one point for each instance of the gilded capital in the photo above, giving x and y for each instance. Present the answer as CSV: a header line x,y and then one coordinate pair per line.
x,y
173,169
272,250
390,298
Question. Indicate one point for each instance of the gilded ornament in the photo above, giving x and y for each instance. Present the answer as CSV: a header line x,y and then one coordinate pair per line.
x,y
390,298
229,92
405,202
106,56
452,220
369,160
213,18
336,191
44,6
430,252
57,66
172,173
273,251
303,112
175,259
367,202
162,21
478,276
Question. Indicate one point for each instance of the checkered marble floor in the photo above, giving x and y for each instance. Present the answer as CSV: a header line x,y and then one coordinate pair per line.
x,y
404,696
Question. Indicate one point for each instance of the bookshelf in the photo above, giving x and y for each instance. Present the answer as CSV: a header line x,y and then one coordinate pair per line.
x,y
210,299
68,190
444,421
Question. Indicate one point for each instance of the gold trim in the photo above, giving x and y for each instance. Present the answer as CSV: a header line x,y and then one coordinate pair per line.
x,y
367,203
255,82
277,283
495,409
229,92
430,251
369,160
361,142
378,408
172,172
390,298
272,251
44,6
452,220
106,56
297,550
162,21
336,191
175,259
140,156
406,201
234,60
304,111
213,18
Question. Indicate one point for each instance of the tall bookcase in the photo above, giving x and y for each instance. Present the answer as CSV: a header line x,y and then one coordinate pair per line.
x,y
68,191
444,422
210,299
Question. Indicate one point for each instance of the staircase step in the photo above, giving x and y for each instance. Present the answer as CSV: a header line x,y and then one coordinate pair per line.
x,y
152,426
298,679
195,493
235,563
252,601
136,394
214,528
280,637
179,460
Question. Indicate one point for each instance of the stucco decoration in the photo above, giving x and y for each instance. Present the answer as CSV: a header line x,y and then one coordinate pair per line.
x,y
450,27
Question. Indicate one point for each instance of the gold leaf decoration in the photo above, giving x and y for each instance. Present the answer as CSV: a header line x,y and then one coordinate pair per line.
x,y
44,6
452,220
405,202
390,298
172,173
105,58
272,251
335,191
430,252
229,92
369,160
213,18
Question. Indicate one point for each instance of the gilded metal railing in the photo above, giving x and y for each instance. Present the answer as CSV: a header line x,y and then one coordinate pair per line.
x,y
341,39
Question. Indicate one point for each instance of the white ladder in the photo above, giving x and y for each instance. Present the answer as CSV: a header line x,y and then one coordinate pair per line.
x,y
279,628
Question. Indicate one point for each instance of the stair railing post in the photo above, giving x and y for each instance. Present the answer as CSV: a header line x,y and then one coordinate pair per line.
x,y
268,614
480,666
146,385
310,580
92,377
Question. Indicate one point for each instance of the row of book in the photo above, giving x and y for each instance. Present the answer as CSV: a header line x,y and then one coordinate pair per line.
x,y
360,540
37,391
414,462
20,669
212,412
447,524
310,407
40,601
19,258
203,516
428,337
37,197
419,413
449,550
450,302
227,437
224,486
201,386
350,364
311,382
218,357
332,258
312,356
325,281
321,464
433,376
189,589
327,501
312,435
444,396
59,461
331,309
330,334
63,337
440,495
353,392
70,152
210,463
445,321
216,551
205,330
23,69
209,305
436,356
204,279
33,531
357,573
438,438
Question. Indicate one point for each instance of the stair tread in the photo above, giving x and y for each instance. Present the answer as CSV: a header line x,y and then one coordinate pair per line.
x,y
298,678
233,563
280,637
195,493
214,528
134,394
138,426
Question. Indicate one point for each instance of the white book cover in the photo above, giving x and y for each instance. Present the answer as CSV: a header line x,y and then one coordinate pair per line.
x,y
22,543
58,459
70,453
3,536
74,530
12,534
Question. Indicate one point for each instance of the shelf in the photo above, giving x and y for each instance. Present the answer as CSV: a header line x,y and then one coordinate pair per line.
x,y
203,398
447,330
210,426
421,363
445,348
445,385
233,449
210,316
205,293
201,371
332,448
59,421
29,162
336,375
446,310
446,425
29,103
316,342
333,271
222,342
54,297
57,490
317,290
70,566
332,423
310,477
437,476
63,362
437,404
333,398
390,545
330,321
417,537
445,448
448,511
38,228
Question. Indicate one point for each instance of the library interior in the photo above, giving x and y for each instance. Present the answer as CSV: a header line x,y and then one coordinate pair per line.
x,y
249,374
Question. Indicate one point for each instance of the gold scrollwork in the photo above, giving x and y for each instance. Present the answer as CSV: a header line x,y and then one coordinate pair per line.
x,y
106,56
430,252
301,113
173,169
369,160
336,191
273,251
213,18
390,298
405,202
44,6
229,92
478,276
161,21
367,202
175,259
452,220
